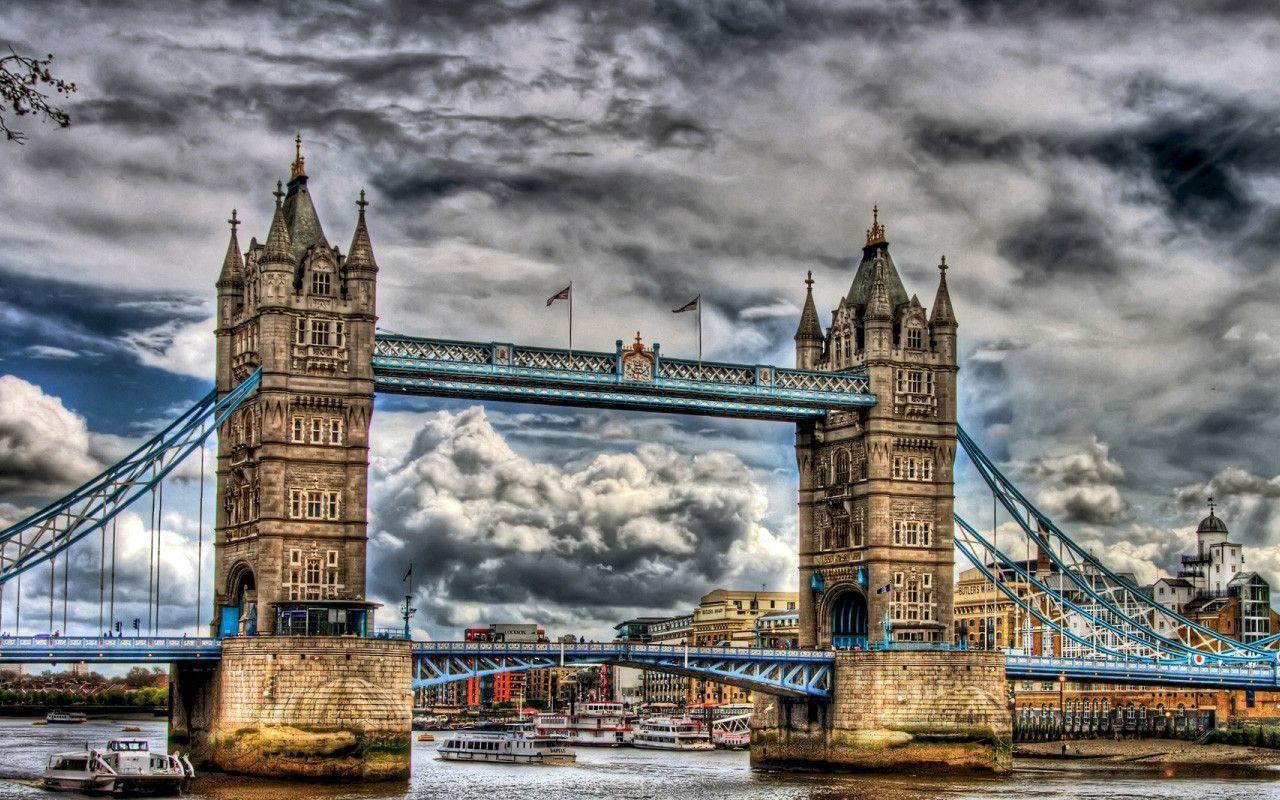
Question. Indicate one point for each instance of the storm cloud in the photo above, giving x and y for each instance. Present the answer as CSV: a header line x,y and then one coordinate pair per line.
x,y
1101,176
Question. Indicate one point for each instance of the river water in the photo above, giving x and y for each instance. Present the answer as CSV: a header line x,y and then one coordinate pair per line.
x,y
624,774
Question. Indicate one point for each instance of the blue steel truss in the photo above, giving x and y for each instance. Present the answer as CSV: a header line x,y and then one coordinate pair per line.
x,y
61,524
107,650
790,673
1088,595
503,371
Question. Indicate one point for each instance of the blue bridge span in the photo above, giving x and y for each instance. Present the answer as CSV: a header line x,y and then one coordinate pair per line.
x,y
784,672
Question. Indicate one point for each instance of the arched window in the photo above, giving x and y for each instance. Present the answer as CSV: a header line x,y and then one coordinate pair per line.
x,y
840,529
842,467
915,338
320,282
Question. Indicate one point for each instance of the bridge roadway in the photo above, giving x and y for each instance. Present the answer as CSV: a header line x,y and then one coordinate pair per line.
x,y
628,378
788,672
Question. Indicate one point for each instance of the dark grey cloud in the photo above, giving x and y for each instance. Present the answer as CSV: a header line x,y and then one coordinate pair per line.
x,y
1108,202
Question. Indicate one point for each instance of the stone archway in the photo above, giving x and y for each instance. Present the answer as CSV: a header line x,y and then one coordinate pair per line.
x,y
847,616
242,592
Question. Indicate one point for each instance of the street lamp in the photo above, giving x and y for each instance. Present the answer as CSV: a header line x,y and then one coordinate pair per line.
x,y
1062,704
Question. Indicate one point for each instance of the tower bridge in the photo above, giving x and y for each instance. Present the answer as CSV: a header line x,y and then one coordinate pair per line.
x,y
876,680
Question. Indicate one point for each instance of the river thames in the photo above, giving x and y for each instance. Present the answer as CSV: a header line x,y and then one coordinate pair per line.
x,y
625,773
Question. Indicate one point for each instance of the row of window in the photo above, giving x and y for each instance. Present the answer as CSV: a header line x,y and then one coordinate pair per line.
x,y
314,504
324,332
913,533
913,468
312,576
315,430
912,598
914,381
842,533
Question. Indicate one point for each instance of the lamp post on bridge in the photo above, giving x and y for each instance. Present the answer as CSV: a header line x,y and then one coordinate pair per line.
x,y
407,612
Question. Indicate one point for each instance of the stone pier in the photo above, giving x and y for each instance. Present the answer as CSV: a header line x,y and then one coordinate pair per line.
x,y
894,710
299,707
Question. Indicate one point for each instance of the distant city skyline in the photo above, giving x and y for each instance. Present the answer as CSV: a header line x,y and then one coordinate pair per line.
x,y
1105,196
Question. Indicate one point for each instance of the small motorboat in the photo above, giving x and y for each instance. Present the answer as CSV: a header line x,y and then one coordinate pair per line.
x,y
57,717
126,768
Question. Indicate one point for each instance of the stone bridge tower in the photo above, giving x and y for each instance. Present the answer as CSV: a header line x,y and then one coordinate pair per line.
x,y
876,494
876,486
289,550
293,460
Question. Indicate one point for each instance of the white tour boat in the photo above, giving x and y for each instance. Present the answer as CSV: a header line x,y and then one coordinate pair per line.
x,y
57,717
127,767
505,747
667,733
602,724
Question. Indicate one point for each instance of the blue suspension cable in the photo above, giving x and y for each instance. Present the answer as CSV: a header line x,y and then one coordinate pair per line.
x,y
991,474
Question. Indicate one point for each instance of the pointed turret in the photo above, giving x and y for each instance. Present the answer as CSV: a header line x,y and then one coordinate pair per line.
x,y
360,268
809,335
230,283
233,264
279,245
942,314
360,256
299,212
878,307
877,245
942,321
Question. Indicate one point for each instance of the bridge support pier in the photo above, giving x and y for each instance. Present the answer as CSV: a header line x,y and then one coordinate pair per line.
x,y
892,710
301,707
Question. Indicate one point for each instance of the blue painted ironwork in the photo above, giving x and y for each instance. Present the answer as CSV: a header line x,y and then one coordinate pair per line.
x,y
61,524
108,650
1134,614
1090,670
791,673
503,371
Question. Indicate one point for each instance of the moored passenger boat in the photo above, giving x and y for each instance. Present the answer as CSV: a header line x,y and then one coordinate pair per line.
x,y
667,733
126,768
505,747
600,724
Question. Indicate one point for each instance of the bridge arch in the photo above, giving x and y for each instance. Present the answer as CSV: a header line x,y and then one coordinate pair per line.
x,y
844,617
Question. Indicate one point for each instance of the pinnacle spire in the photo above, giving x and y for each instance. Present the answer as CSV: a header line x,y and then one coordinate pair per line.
x,y
943,313
233,264
299,168
279,246
878,307
875,234
361,253
810,328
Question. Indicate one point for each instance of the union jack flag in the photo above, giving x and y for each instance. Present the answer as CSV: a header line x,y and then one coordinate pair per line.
x,y
563,294
689,306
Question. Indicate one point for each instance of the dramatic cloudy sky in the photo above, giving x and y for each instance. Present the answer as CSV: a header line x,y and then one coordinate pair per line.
x,y
1105,185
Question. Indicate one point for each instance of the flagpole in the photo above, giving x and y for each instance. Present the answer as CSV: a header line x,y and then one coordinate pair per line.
x,y
570,322
699,337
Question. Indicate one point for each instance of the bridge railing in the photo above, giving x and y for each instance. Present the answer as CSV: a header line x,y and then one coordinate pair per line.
x,y
1080,666
398,359
606,649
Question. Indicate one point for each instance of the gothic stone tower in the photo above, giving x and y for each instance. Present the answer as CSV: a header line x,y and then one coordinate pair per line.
x,y
876,486
293,459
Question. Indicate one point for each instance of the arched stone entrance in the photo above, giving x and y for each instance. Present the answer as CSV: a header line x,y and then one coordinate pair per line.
x,y
849,621
240,615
